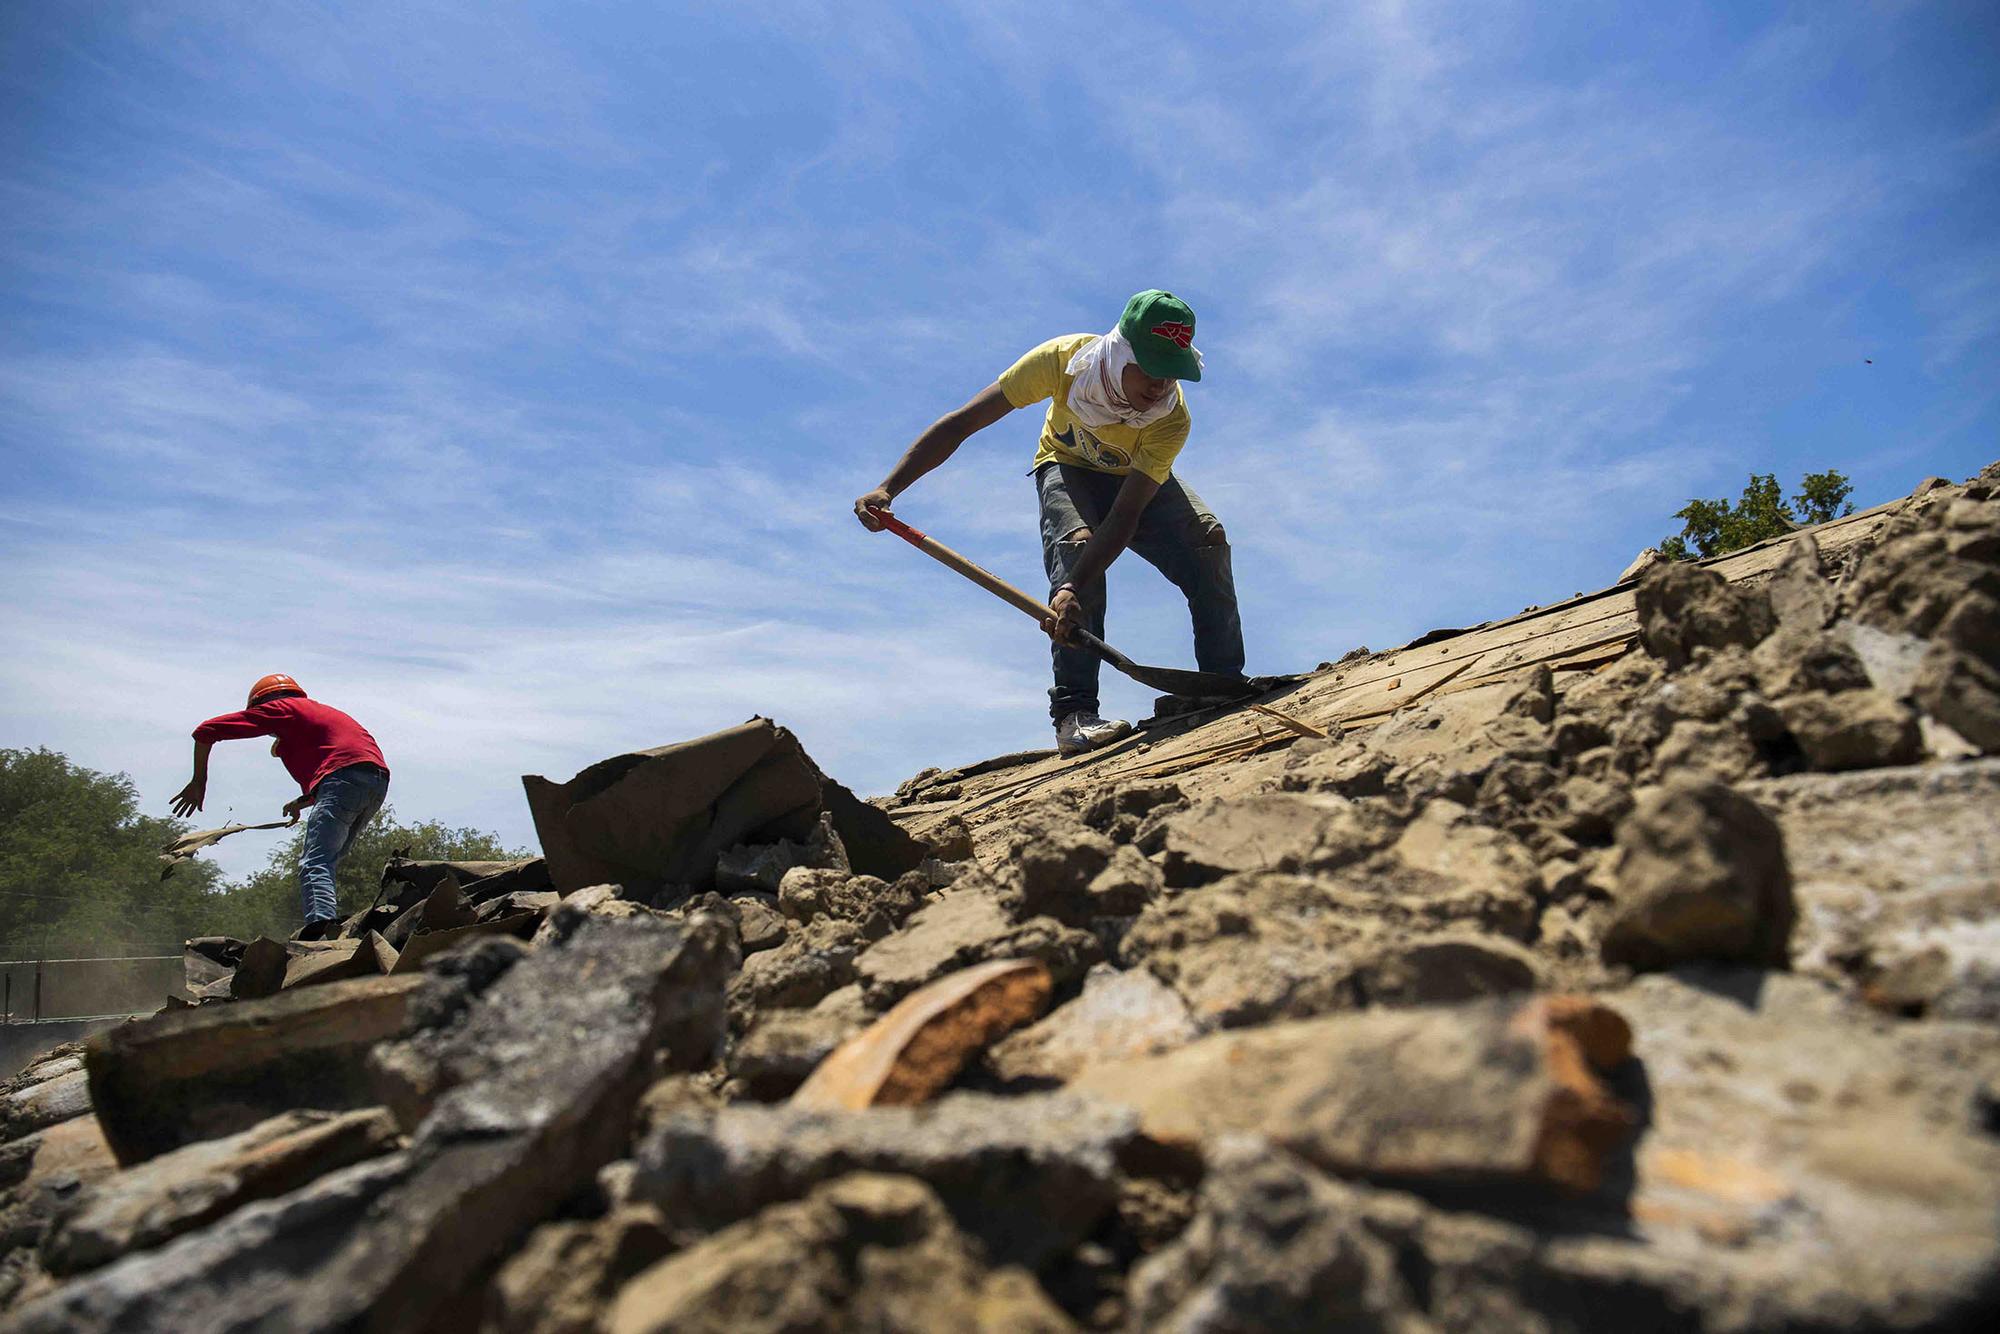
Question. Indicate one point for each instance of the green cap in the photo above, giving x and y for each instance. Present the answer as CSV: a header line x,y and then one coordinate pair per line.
x,y
1160,328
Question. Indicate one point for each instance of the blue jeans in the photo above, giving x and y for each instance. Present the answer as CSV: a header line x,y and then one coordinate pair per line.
x,y
344,801
1172,537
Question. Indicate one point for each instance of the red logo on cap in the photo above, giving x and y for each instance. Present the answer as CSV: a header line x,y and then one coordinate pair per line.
x,y
1180,335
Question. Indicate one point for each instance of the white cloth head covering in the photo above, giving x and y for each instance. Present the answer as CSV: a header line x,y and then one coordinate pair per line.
x,y
1096,396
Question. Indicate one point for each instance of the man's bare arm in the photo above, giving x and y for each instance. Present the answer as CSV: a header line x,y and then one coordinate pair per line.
x,y
938,443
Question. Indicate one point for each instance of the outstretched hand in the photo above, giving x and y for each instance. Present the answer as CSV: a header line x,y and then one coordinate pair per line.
x,y
878,499
189,799
292,808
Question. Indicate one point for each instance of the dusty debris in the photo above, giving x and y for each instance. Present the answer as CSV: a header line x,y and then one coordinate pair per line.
x,y
1627,963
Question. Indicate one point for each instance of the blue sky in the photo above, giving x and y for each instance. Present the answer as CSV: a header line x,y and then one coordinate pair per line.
x,y
506,372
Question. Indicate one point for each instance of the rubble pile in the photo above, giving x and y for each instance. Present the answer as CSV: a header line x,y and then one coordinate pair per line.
x,y
1656,988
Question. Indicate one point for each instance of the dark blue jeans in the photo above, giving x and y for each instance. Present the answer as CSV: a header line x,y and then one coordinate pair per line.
x,y
344,801
1172,538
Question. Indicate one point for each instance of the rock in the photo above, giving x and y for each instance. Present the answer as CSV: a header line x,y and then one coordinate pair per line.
x,y
1683,608
1855,729
1801,597
1117,1016
1890,866
784,1047
1128,882
813,963
1251,948
1701,875
1793,662
865,1251
1056,859
186,1075
529,1092
808,894
912,1052
262,969
1281,831
968,925
40,1175
44,1102
1493,1091
1490,872
1275,1247
951,840
615,989
1445,969
566,1274
193,1185
758,925
763,866
1030,1176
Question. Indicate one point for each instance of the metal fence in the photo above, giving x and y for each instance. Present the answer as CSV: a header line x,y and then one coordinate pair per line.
x,y
32,990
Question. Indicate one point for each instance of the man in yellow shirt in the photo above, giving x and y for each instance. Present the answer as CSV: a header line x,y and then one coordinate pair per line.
x,y
1104,472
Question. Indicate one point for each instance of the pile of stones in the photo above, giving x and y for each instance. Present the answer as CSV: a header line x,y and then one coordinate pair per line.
x,y
1667,999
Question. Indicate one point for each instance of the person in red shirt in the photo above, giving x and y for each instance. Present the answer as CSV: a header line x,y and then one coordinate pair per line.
x,y
339,769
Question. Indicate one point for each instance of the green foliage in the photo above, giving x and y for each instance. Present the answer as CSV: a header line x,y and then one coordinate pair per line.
x,y
80,868
267,903
1715,527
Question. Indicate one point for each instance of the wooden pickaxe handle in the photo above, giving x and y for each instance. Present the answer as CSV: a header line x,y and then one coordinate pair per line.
x,y
944,555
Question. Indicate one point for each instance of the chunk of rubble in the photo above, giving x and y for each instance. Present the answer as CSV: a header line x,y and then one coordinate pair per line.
x,y
917,1048
876,906
967,925
1701,874
1281,831
1118,1015
1683,608
193,1185
1030,1176
1855,729
655,818
783,1047
530,1091
1275,1246
566,1274
186,1075
866,1251
1493,1091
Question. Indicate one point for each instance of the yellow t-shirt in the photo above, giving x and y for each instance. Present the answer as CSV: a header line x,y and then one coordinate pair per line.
x,y
1117,448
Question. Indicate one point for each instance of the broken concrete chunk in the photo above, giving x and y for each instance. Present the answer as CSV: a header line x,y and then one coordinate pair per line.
x,y
762,866
1445,969
178,1077
1491,1091
1683,608
193,1185
809,893
1030,1176
912,1052
563,1278
1701,874
1118,1015
784,1047
866,1251
1274,1246
34,1105
1855,729
662,817
1281,831
1801,597
967,926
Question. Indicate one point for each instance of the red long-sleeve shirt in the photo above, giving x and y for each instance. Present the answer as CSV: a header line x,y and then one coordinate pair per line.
x,y
314,739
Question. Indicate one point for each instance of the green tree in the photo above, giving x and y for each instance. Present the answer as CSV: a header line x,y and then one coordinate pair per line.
x,y
80,868
267,903
1715,527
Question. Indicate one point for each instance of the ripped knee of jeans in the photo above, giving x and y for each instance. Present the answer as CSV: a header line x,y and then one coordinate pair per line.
x,y
1209,533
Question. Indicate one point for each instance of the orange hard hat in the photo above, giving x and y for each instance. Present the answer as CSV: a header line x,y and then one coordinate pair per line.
x,y
277,683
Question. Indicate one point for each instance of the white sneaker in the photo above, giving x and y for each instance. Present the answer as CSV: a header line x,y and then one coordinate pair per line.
x,y
1083,731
